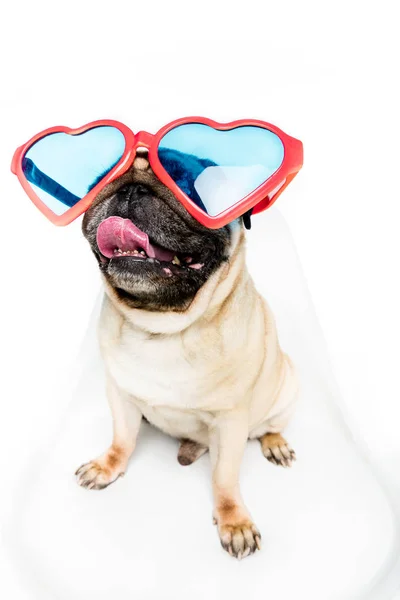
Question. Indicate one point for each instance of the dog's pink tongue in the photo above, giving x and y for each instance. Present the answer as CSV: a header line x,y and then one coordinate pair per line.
x,y
115,232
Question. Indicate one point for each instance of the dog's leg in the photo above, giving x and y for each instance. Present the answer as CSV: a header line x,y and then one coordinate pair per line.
x,y
105,469
228,437
190,451
276,449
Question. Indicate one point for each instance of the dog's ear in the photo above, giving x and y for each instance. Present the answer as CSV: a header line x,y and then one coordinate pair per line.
x,y
247,218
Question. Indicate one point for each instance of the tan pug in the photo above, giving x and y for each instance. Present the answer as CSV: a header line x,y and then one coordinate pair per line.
x,y
188,343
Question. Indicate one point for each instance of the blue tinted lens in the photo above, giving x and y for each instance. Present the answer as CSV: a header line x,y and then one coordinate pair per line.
x,y
217,168
62,168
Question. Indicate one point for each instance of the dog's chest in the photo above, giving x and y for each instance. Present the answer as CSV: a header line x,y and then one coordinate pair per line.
x,y
169,371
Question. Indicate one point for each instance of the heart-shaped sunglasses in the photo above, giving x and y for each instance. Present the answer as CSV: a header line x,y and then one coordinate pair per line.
x,y
218,171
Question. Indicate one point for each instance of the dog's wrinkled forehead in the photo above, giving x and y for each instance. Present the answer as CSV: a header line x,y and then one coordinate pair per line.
x,y
141,162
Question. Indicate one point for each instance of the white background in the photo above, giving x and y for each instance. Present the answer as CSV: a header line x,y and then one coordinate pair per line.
x,y
326,73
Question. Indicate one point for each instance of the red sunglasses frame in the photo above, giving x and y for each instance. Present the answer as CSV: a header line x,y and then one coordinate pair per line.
x,y
260,199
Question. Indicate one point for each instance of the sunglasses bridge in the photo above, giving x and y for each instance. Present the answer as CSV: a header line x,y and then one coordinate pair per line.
x,y
143,139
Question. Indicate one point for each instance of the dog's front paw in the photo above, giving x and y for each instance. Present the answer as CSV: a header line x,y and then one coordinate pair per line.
x,y
99,473
238,534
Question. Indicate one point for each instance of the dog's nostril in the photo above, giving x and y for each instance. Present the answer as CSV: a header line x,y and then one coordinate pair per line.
x,y
134,190
125,190
140,190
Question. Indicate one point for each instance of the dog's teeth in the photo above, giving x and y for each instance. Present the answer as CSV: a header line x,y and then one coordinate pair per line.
x,y
176,261
142,252
188,259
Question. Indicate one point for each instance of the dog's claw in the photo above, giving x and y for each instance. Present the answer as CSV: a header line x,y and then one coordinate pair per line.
x,y
276,449
96,475
240,539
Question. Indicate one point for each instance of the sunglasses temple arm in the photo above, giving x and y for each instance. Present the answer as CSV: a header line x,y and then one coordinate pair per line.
x,y
247,218
47,184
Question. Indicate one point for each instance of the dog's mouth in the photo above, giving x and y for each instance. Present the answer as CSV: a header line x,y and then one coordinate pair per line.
x,y
119,238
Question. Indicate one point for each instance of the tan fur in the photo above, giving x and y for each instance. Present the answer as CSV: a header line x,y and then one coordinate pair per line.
x,y
276,449
213,374
141,163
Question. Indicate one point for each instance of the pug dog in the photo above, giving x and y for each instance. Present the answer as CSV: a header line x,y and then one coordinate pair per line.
x,y
187,342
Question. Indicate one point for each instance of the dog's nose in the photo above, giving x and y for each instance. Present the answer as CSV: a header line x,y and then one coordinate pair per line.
x,y
134,191
139,190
